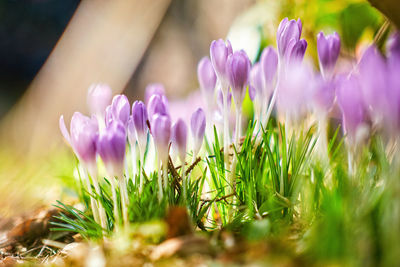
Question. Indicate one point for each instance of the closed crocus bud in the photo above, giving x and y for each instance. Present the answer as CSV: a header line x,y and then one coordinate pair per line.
x,y
288,34
179,138
296,50
198,127
153,89
351,103
98,98
238,69
161,131
157,105
219,52
207,77
120,109
269,65
139,117
111,147
328,51
82,137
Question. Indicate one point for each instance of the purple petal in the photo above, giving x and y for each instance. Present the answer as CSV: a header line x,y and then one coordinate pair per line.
x,y
198,127
98,98
179,138
153,89
206,76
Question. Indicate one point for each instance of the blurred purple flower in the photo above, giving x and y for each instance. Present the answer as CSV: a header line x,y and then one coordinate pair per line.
x,y
111,147
161,131
153,89
295,92
238,70
269,66
98,98
206,76
179,138
219,52
393,45
328,51
296,50
256,81
350,100
119,111
82,137
198,127
324,94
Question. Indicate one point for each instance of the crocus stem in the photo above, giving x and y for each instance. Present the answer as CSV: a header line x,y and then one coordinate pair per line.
x,y
124,199
184,182
160,187
271,105
141,159
93,202
226,127
115,202
102,212
165,172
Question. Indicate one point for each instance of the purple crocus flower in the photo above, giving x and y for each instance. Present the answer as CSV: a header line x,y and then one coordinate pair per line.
x,y
111,147
296,50
161,131
295,91
350,100
238,70
139,119
324,94
120,110
269,66
288,34
179,138
157,106
328,51
153,89
82,137
207,77
98,98
393,45
219,52
198,127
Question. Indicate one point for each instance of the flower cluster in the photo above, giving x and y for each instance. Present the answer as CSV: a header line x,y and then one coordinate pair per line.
x,y
282,80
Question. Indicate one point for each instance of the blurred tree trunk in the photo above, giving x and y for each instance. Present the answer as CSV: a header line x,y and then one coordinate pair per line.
x,y
104,42
390,8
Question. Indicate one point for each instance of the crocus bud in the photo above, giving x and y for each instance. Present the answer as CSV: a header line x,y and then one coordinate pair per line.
x,y
207,77
219,52
82,137
269,65
296,50
238,70
161,131
157,106
139,118
111,147
350,101
120,109
288,35
328,51
98,98
179,138
153,89
198,127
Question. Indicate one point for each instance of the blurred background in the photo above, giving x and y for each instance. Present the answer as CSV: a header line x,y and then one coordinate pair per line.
x,y
51,51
